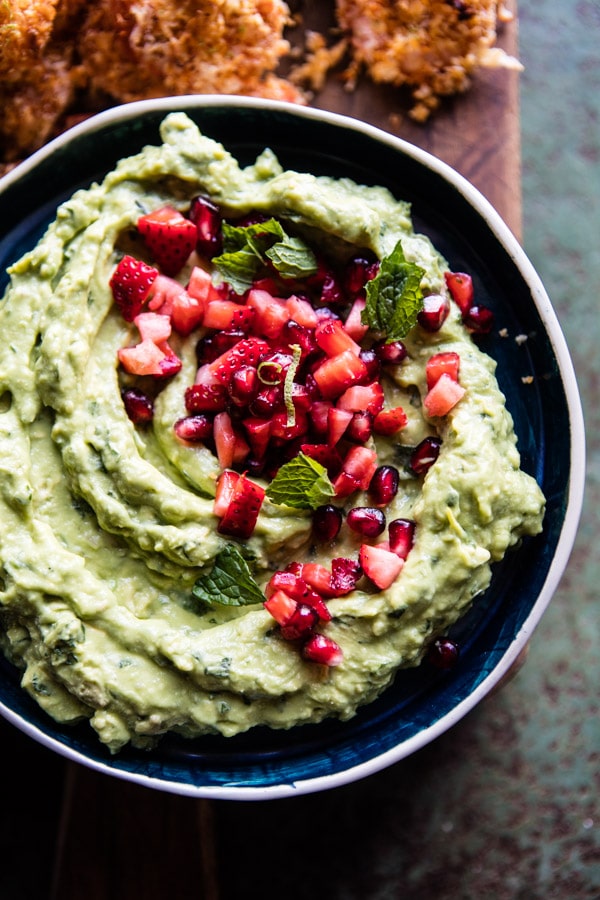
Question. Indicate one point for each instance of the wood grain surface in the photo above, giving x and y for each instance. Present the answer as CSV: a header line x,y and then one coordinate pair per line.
x,y
118,841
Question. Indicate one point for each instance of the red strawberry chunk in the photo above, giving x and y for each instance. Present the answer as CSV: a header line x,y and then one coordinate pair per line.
x,y
380,564
326,455
271,313
258,432
242,511
390,421
281,606
221,314
354,324
169,236
362,397
130,284
443,396
225,486
225,439
319,578
301,312
337,423
333,339
439,364
339,372
461,289
247,352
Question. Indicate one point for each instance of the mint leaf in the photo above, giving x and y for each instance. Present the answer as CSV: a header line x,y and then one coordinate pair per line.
x,y
394,296
292,258
229,582
302,483
247,248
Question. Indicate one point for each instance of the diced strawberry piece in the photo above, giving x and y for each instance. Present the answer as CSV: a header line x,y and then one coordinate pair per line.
x,y
271,313
333,339
379,564
361,463
259,434
281,606
319,415
301,312
221,314
339,372
443,396
142,359
357,470
390,421
242,512
225,486
401,536
131,283
321,649
170,364
224,439
326,455
439,364
205,398
337,423
461,289
162,294
201,287
169,236
319,578
290,582
345,574
243,318
241,450
361,397
187,313
207,378
247,352
354,324
153,327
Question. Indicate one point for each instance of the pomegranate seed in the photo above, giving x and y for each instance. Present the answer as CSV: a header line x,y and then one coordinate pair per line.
x,y
321,649
373,364
301,622
425,454
384,485
401,536
392,352
272,368
138,406
435,310
327,521
479,319
359,270
243,386
292,333
324,312
443,653
366,520
194,428
207,219
267,402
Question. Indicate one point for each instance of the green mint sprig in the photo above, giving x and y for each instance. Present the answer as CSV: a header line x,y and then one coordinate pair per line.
x,y
394,296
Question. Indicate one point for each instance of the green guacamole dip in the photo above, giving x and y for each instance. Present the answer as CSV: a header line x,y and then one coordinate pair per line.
x,y
105,527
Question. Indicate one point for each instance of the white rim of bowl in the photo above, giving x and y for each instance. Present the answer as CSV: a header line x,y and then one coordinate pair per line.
x,y
506,238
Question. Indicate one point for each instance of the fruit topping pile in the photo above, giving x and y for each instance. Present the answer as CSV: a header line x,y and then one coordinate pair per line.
x,y
291,352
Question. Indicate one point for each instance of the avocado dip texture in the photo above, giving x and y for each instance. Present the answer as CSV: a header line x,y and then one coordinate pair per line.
x,y
105,527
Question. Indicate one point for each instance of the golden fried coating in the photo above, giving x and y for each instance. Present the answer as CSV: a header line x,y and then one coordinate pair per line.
x,y
136,50
433,46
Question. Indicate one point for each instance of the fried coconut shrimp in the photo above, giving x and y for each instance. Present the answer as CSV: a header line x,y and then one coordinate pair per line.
x,y
38,77
136,50
432,46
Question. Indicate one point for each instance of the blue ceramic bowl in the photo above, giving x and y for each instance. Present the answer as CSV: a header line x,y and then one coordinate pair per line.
x,y
422,703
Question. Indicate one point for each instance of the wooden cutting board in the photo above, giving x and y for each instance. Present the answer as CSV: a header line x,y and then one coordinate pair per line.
x,y
118,841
